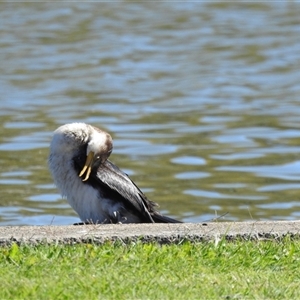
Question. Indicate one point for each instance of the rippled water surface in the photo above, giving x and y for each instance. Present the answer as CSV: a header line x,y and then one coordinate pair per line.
x,y
202,100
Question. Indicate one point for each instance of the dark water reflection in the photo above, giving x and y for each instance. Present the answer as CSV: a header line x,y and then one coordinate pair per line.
x,y
202,101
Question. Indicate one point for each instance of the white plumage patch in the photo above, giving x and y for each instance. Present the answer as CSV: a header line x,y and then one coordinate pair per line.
x,y
83,198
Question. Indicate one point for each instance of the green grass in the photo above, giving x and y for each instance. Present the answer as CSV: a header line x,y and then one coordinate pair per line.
x,y
224,270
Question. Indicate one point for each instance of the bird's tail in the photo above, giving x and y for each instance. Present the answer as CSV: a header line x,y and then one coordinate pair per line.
x,y
158,218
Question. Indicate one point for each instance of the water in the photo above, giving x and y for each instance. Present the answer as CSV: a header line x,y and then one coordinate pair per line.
x,y
202,100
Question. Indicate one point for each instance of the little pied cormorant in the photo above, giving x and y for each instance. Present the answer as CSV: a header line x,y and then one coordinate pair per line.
x,y
96,188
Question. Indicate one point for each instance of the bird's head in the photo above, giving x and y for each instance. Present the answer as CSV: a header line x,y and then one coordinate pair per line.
x,y
77,139
99,148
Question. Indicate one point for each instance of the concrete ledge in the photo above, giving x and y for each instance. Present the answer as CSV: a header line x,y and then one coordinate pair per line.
x,y
161,233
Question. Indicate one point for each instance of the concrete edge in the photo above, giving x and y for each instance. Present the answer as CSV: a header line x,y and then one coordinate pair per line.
x,y
160,233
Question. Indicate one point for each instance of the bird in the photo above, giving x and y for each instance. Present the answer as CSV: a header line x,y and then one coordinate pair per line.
x,y
95,188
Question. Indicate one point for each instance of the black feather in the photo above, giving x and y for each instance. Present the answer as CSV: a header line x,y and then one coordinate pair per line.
x,y
114,184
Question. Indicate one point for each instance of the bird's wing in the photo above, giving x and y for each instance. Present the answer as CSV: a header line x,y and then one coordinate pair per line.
x,y
111,176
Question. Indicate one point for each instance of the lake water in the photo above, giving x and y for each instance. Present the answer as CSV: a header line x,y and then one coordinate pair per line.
x,y
202,100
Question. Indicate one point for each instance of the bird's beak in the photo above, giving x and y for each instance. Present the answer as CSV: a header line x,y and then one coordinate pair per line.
x,y
87,166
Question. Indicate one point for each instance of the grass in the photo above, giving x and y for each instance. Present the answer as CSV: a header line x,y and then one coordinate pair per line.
x,y
223,270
